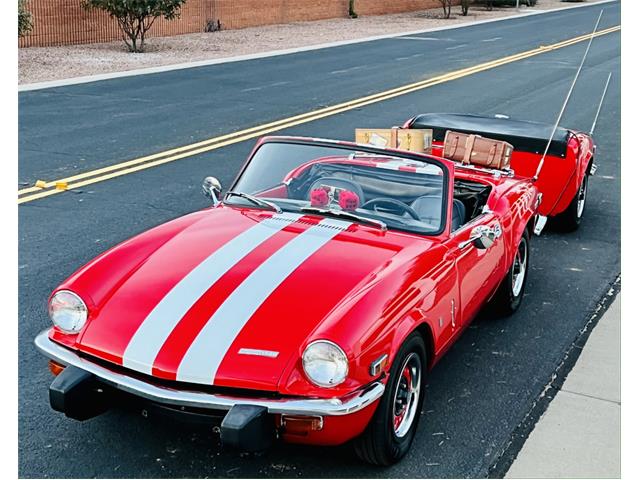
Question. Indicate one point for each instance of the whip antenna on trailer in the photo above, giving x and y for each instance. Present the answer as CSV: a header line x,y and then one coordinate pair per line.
x,y
604,93
566,100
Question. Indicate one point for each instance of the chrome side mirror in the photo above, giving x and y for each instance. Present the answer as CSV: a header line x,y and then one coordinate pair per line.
x,y
212,189
482,237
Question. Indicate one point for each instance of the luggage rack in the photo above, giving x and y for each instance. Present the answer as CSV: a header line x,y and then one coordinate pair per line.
x,y
492,171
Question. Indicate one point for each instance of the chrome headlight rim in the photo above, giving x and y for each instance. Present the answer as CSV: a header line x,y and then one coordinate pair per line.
x,y
80,307
340,351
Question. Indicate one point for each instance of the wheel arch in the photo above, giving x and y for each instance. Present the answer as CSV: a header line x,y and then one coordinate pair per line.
x,y
408,328
424,329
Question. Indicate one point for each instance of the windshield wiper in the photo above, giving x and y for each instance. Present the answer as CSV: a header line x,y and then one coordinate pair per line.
x,y
256,201
343,214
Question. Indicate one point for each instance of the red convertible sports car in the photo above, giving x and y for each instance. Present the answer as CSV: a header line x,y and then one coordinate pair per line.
x,y
307,304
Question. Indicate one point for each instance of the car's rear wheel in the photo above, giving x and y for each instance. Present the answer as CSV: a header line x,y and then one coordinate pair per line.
x,y
510,292
570,219
392,429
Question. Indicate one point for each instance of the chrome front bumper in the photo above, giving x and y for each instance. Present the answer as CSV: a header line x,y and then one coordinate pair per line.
x,y
185,398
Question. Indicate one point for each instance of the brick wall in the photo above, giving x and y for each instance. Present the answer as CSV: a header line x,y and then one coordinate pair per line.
x,y
249,13
381,7
65,22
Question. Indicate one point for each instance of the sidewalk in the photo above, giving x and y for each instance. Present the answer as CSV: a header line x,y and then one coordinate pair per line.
x,y
579,434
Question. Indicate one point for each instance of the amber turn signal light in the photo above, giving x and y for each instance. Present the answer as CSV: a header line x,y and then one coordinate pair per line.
x,y
301,425
55,367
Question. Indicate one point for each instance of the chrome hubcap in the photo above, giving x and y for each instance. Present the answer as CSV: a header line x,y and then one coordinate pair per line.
x,y
407,393
519,268
582,196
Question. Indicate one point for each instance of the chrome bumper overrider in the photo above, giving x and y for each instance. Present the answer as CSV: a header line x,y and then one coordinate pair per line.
x,y
165,395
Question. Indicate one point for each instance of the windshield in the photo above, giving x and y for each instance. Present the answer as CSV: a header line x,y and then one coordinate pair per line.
x,y
399,193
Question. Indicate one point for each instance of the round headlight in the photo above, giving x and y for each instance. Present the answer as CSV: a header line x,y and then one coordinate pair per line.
x,y
67,311
325,363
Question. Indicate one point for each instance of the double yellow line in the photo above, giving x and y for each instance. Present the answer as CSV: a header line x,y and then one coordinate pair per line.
x,y
46,189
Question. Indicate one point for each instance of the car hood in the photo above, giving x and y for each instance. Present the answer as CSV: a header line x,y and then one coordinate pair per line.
x,y
226,296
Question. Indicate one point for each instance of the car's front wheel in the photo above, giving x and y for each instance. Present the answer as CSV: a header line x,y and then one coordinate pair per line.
x,y
510,292
391,430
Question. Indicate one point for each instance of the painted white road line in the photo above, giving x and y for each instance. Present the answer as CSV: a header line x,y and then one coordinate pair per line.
x,y
347,70
495,39
457,46
261,87
274,53
424,39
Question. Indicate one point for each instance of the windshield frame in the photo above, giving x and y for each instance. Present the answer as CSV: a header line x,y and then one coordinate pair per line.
x,y
351,146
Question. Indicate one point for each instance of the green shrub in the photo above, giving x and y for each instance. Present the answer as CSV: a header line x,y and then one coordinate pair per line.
x,y
135,17
25,21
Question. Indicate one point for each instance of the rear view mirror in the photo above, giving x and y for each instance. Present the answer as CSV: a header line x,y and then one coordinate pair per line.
x,y
484,237
212,189
481,236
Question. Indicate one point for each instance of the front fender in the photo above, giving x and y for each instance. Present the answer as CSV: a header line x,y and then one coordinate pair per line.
x,y
518,210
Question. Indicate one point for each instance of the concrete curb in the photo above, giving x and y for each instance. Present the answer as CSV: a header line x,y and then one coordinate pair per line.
x,y
202,63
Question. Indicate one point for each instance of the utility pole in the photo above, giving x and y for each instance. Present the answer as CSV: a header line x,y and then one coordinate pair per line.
x,y
518,5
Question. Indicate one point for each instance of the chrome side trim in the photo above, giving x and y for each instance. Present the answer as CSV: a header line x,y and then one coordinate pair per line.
x,y
258,352
291,406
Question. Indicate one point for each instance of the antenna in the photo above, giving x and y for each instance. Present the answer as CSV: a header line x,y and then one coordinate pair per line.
x,y
604,93
566,100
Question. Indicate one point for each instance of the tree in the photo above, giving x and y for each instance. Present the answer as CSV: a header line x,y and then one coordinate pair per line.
x,y
352,9
135,17
465,7
446,7
25,23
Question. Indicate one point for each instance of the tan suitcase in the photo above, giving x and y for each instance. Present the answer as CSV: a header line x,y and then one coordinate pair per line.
x,y
481,151
412,140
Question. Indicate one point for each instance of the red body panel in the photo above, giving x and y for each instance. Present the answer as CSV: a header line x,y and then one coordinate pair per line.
x,y
336,430
364,289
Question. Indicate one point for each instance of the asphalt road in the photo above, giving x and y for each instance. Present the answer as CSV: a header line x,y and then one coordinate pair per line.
x,y
477,396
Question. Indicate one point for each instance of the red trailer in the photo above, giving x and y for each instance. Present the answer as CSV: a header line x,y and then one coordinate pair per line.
x,y
564,177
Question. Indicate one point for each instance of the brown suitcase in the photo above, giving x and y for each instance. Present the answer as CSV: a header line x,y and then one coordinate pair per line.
x,y
481,151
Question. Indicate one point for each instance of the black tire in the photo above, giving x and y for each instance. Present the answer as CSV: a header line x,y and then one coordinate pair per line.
x,y
507,298
570,219
380,443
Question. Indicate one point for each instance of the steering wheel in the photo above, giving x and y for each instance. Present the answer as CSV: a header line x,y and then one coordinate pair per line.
x,y
390,202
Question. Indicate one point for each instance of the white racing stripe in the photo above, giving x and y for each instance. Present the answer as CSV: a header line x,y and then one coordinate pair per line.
x,y
154,330
201,362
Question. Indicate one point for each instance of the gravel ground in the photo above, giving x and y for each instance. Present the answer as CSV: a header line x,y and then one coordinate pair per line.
x,y
37,64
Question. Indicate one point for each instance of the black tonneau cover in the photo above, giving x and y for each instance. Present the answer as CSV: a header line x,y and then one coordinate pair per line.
x,y
524,136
